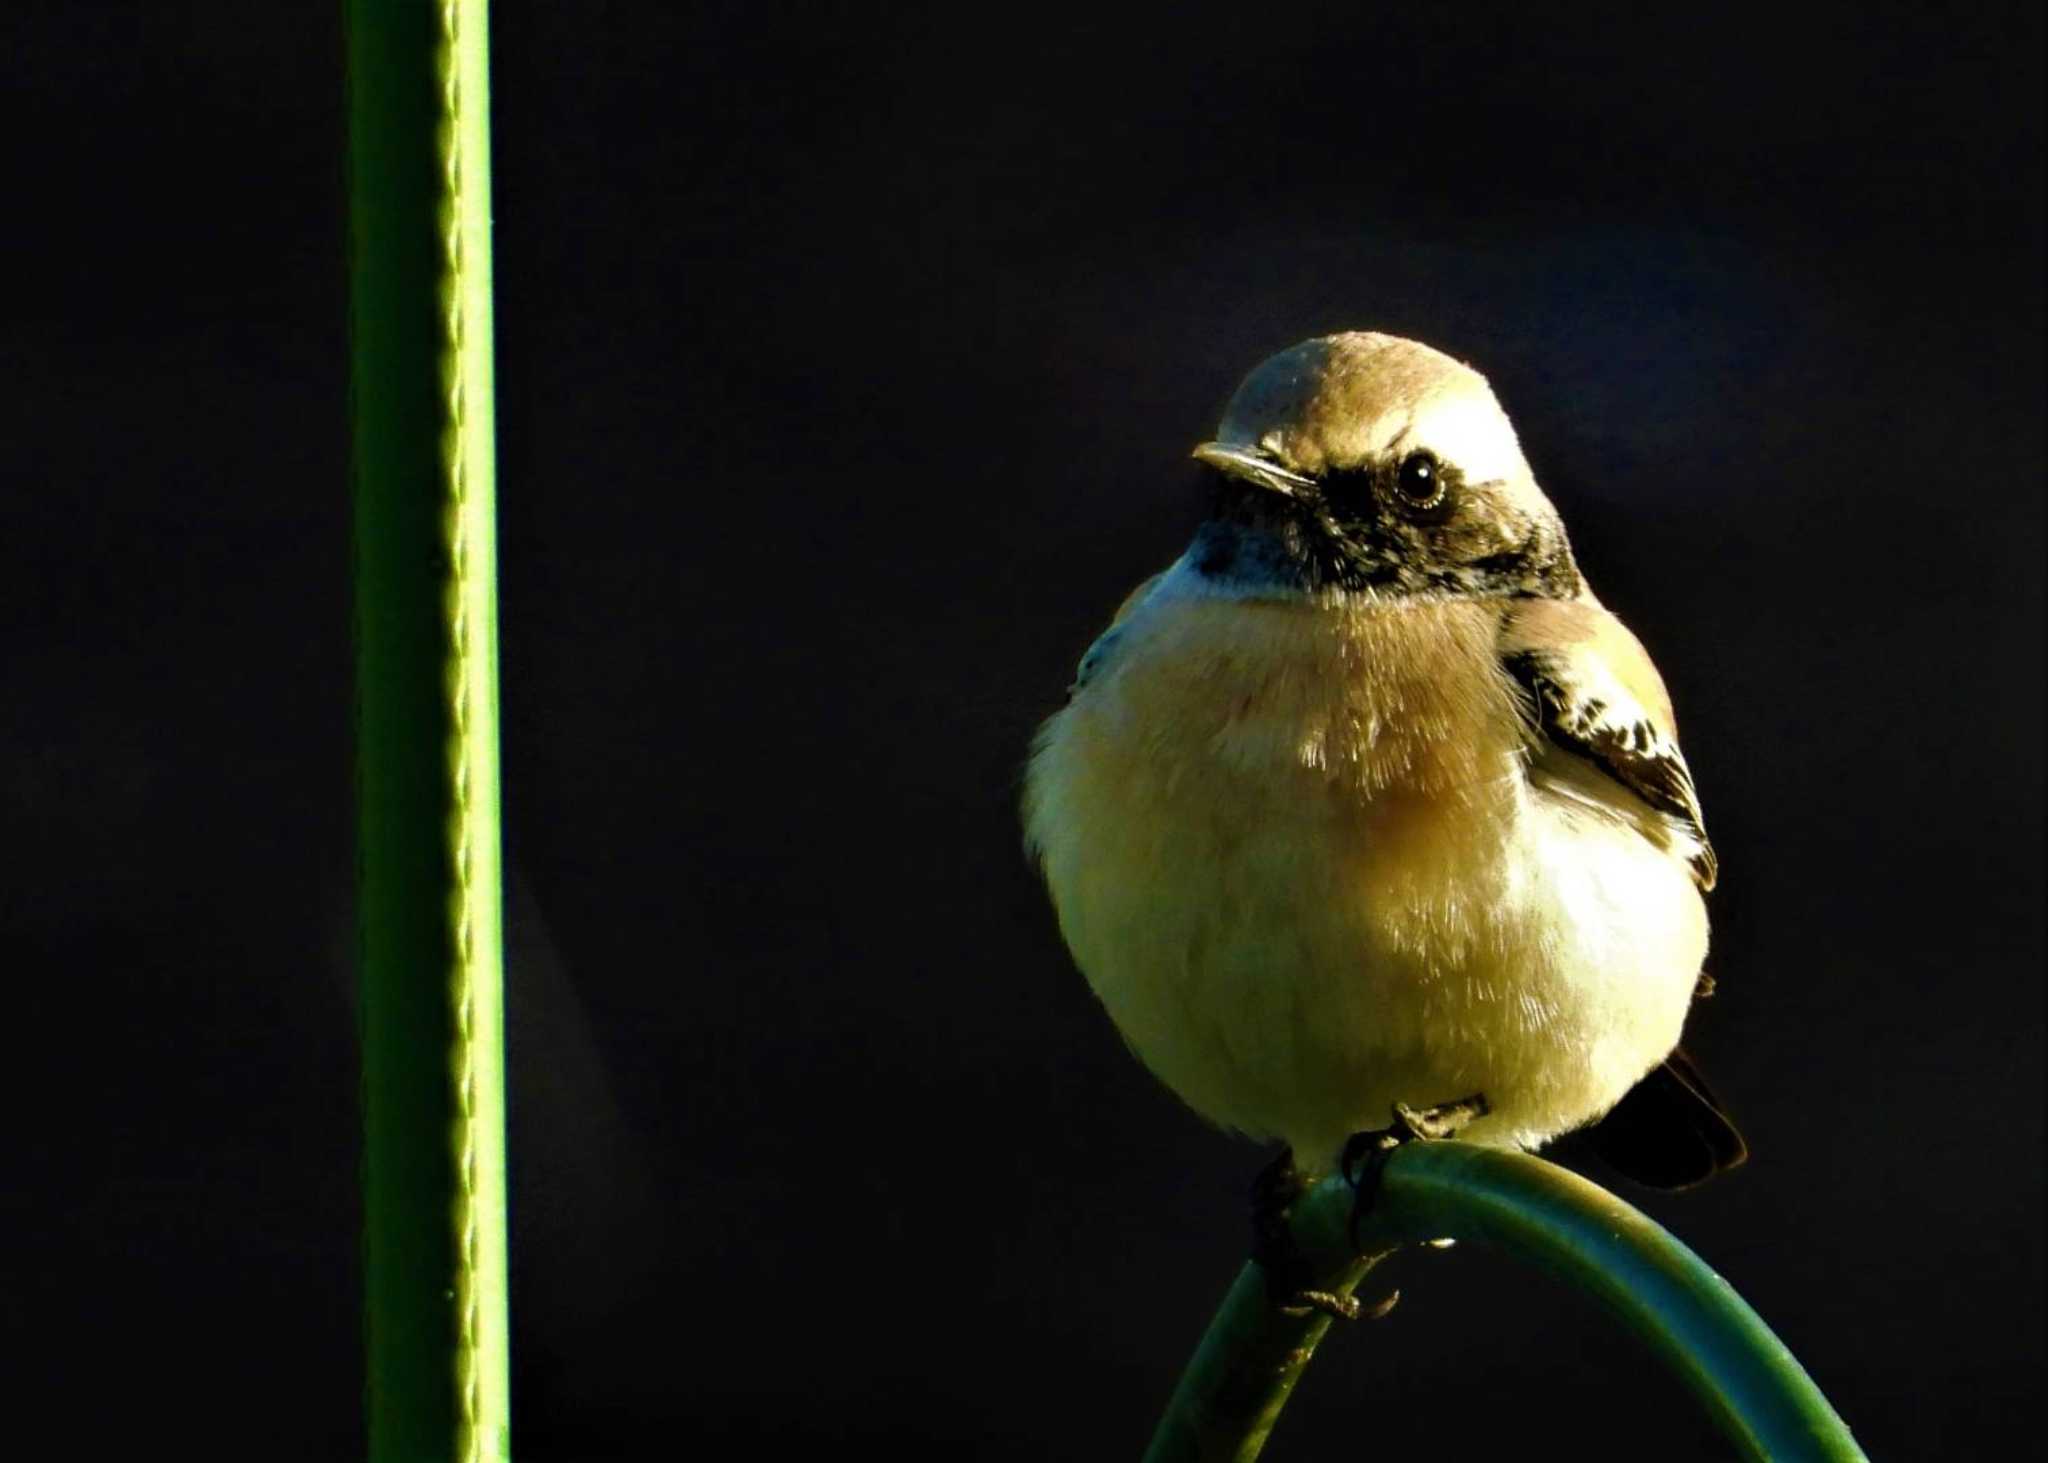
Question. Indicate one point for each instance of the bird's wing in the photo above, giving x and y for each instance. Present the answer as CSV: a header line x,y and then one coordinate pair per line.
x,y
1595,695
1092,659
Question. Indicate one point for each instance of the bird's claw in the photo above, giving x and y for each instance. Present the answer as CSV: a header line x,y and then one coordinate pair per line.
x,y
1289,1279
1365,1154
1340,1307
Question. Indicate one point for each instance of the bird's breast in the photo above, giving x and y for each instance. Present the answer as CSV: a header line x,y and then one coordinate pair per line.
x,y
1269,827
1365,714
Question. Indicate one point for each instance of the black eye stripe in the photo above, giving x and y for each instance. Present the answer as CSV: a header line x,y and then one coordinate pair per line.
x,y
1418,486
1348,493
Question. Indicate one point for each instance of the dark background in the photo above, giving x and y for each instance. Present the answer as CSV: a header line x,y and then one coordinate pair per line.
x,y
848,366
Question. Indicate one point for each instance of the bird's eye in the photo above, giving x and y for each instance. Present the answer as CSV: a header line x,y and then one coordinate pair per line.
x,y
1420,480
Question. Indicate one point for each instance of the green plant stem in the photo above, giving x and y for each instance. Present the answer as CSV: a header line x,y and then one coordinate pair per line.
x,y
431,1004
1244,1371
1252,1356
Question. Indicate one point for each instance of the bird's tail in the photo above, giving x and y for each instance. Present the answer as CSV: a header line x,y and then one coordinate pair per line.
x,y
1671,1130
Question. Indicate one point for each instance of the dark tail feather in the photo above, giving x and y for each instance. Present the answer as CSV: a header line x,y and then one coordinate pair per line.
x,y
1670,1131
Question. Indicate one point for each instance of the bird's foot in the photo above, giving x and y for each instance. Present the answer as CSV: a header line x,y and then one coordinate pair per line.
x,y
1274,1193
1341,1307
1289,1278
1365,1154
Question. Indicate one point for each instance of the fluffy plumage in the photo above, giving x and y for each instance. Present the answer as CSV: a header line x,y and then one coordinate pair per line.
x,y
1367,799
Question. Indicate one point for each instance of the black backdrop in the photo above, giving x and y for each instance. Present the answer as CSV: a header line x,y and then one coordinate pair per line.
x,y
849,362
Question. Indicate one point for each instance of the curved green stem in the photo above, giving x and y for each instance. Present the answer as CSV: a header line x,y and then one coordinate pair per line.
x,y
1244,1371
1253,1354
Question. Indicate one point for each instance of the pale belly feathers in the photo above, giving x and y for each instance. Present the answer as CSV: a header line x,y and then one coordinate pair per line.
x,y
1298,854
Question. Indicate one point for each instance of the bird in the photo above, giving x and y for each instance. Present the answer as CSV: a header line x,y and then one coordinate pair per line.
x,y
1366,808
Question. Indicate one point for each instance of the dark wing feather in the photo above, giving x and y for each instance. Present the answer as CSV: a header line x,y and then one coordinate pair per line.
x,y
1591,714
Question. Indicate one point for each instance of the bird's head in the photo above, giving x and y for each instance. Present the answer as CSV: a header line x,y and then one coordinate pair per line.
x,y
1368,463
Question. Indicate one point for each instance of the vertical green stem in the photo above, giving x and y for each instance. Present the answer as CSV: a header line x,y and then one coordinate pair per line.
x,y
427,750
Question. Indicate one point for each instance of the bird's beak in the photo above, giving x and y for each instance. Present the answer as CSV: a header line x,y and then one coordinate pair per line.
x,y
1251,466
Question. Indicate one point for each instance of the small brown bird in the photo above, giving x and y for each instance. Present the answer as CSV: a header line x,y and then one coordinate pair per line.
x,y
1366,801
